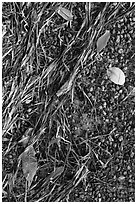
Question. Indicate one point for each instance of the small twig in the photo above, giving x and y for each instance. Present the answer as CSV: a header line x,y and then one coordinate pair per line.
x,y
86,96
131,92
26,190
100,136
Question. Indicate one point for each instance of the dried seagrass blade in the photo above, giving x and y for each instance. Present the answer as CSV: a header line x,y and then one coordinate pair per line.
x,y
65,13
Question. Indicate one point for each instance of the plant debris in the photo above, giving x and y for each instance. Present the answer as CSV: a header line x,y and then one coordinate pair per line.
x,y
68,130
116,75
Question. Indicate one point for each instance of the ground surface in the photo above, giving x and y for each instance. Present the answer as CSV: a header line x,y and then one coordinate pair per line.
x,y
56,93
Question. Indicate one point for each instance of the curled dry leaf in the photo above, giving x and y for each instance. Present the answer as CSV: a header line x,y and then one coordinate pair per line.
x,y
116,75
103,40
65,13
29,164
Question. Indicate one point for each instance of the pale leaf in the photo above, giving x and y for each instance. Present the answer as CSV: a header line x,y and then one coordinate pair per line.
x,y
65,13
29,164
116,75
56,172
25,138
103,40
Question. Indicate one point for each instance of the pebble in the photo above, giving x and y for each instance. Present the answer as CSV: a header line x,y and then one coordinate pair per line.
x,y
121,51
29,110
128,167
91,89
100,107
121,178
125,172
118,39
130,180
104,113
131,190
105,104
121,138
116,119
99,199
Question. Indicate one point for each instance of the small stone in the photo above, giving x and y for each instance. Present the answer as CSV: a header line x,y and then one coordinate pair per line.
x,y
128,167
91,89
121,138
121,51
125,172
118,39
116,119
89,94
29,110
121,178
100,107
131,190
99,199
105,104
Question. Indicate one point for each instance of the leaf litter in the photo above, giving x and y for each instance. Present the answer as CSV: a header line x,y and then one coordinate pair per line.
x,y
43,58
29,164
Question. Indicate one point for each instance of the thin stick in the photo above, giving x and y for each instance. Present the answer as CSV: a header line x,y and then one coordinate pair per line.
x,y
26,190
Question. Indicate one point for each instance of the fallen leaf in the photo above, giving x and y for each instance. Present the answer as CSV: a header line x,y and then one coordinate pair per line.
x,y
56,172
65,13
116,75
29,164
25,138
103,40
